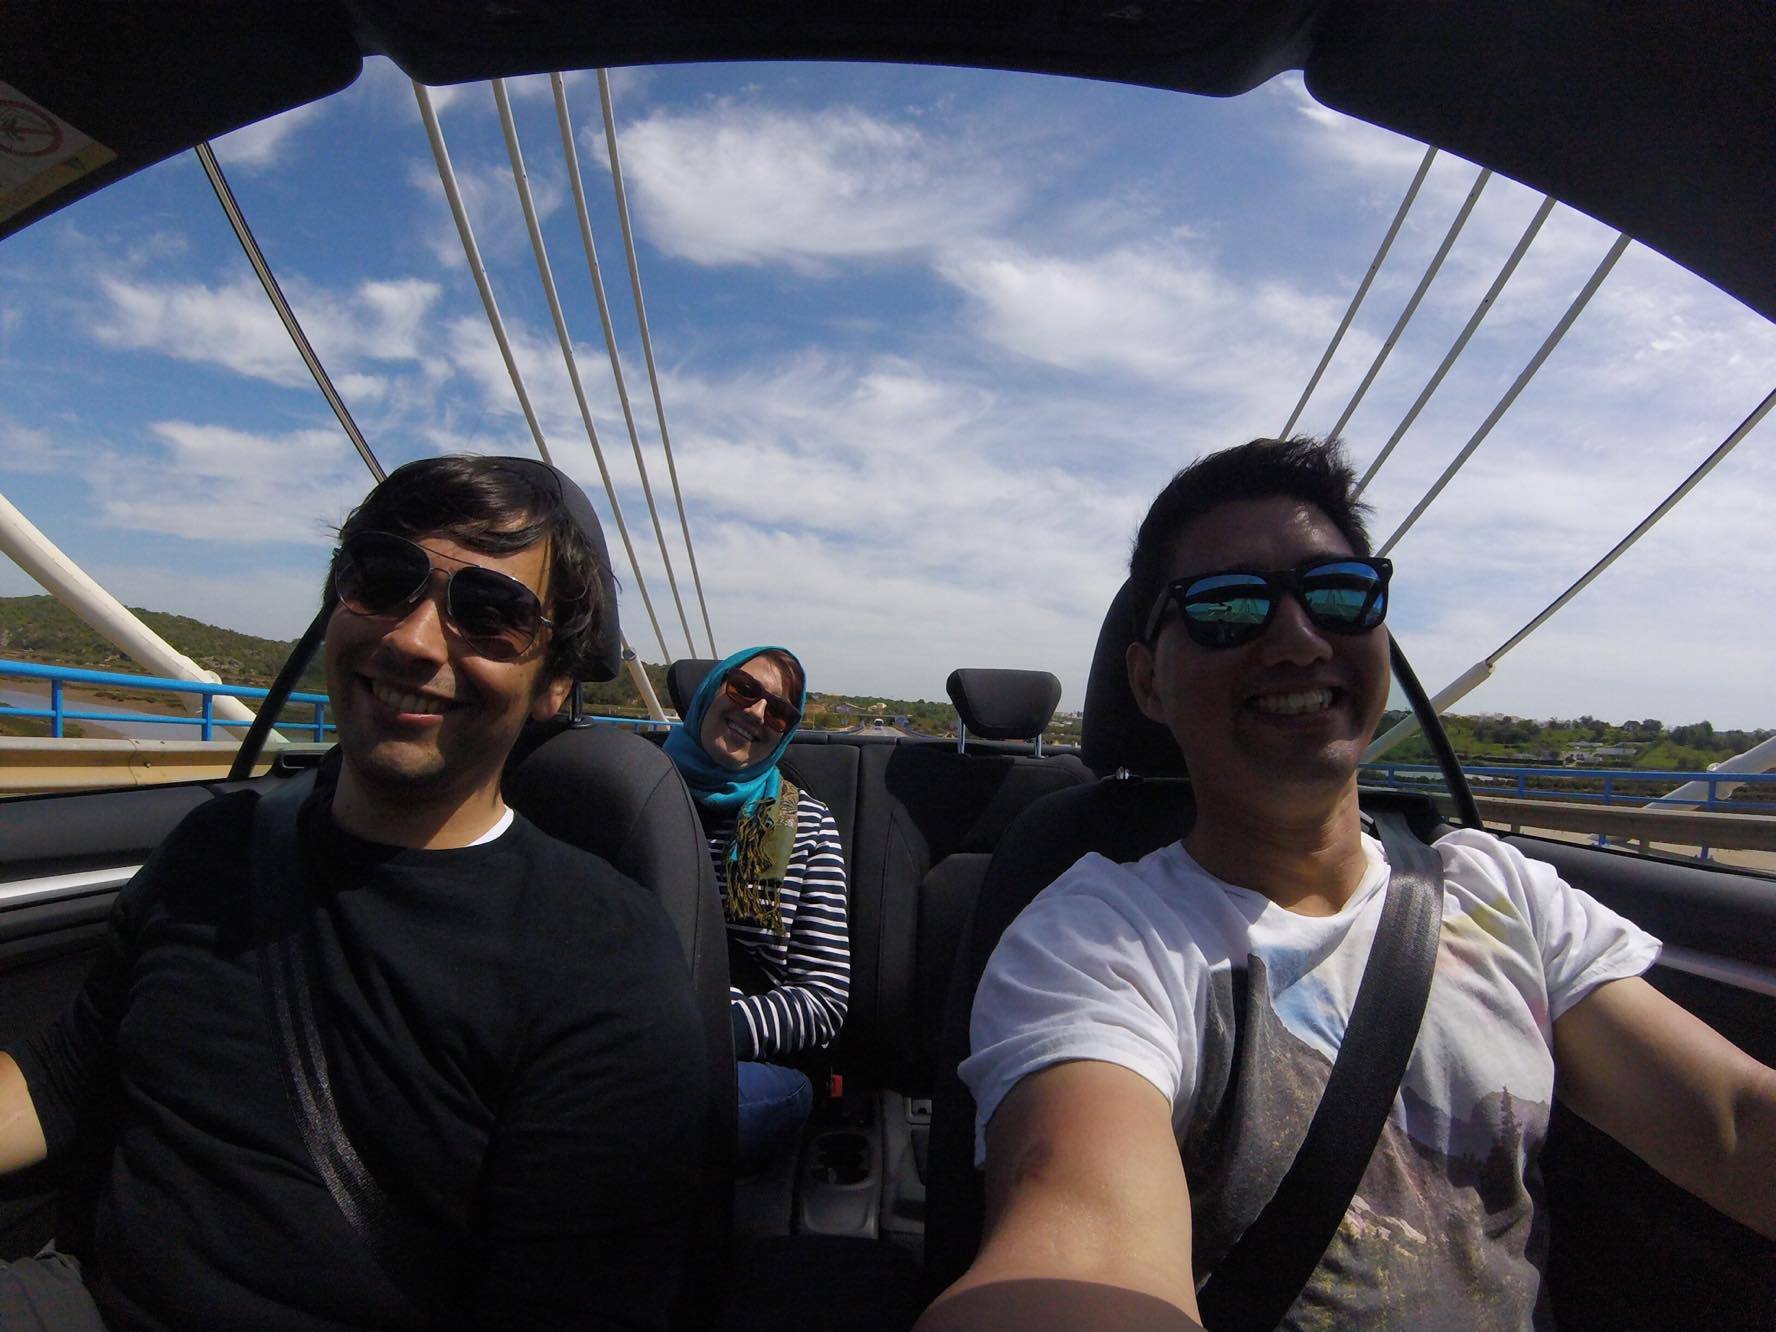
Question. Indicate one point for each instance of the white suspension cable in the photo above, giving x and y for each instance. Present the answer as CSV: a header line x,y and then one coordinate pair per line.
x,y
647,349
1424,285
1482,669
1690,482
275,293
1504,404
1461,341
1424,169
472,253
647,492
521,181
570,153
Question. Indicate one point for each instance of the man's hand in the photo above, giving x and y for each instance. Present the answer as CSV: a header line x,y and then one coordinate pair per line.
x,y
21,1135
1088,1213
1676,1093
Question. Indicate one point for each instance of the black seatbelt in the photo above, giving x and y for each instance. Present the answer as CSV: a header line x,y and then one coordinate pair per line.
x,y
1269,1265
280,912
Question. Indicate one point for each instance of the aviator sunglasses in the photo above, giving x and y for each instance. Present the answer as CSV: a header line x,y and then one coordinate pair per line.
x,y
743,691
1347,595
378,573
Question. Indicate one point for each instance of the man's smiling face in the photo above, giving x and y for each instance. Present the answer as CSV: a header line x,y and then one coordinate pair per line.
x,y
1292,709
423,718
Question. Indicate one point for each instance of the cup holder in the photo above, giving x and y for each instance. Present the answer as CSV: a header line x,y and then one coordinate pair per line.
x,y
841,1158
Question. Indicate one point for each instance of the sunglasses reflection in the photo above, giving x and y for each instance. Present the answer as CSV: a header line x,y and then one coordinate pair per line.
x,y
380,574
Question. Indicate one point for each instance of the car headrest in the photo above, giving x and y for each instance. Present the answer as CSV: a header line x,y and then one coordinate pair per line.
x,y
1116,733
603,658
684,677
1004,705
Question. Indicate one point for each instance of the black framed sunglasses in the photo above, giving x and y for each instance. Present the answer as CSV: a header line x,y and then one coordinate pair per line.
x,y
1347,595
743,691
381,574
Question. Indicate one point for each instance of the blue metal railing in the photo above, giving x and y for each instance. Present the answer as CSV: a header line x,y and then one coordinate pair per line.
x,y
58,712
1499,779
634,723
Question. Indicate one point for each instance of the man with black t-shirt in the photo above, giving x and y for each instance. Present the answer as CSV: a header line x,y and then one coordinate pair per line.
x,y
506,1022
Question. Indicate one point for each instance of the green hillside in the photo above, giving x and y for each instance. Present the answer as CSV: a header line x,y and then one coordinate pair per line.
x,y
42,629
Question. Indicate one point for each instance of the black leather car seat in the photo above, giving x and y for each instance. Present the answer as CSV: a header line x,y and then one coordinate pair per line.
x,y
613,793
1141,801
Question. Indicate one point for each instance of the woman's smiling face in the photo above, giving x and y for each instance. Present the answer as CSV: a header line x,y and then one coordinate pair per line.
x,y
737,737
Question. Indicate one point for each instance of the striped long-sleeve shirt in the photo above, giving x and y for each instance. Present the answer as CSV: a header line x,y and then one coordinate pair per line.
x,y
808,967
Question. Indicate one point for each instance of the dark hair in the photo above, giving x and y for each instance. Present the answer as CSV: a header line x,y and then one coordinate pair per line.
x,y
495,506
1313,471
791,670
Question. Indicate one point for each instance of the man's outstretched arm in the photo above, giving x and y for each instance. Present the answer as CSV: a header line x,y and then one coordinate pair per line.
x,y
1676,1093
1088,1213
21,1135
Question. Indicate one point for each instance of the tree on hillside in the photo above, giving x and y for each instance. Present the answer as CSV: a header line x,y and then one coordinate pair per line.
x,y
1699,735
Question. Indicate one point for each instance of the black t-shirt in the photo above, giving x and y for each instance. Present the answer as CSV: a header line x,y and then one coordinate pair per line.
x,y
514,1048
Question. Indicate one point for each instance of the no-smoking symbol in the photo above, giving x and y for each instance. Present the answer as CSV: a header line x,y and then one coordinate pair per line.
x,y
26,131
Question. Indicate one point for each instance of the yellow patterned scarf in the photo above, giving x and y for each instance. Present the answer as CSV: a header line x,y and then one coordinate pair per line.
x,y
758,859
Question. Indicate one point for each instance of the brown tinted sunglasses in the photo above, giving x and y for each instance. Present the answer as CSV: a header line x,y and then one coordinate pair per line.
x,y
743,691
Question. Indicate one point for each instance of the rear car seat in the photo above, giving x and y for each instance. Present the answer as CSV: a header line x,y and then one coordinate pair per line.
x,y
1141,801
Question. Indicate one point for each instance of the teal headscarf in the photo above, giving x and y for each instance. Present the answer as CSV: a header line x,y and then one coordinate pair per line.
x,y
715,785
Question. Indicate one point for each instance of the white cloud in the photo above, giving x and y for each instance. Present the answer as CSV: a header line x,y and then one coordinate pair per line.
x,y
1168,315
741,183
491,201
215,483
231,326
260,145
914,511
27,449
234,326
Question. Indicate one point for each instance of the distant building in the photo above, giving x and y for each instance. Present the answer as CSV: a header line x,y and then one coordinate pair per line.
x,y
1600,752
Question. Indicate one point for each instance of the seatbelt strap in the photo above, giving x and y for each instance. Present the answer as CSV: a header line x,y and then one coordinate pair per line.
x,y
281,914
1270,1264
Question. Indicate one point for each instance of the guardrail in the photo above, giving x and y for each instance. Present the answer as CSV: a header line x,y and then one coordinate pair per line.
x,y
34,765
1490,779
58,712
1644,825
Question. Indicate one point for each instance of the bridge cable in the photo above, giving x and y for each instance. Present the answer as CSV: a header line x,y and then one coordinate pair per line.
x,y
545,273
1690,482
571,155
1411,307
1461,341
472,254
1481,670
1518,385
1424,168
647,348
256,257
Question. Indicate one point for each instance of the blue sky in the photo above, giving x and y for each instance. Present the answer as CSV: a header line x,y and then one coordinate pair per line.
x,y
929,342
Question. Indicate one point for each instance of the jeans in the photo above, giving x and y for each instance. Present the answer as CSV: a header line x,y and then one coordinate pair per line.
x,y
774,1104
44,1294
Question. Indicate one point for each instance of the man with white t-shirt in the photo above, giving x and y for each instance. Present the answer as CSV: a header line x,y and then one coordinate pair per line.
x,y
1129,1138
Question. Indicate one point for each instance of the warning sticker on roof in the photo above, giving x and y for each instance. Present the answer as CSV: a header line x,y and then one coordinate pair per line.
x,y
39,152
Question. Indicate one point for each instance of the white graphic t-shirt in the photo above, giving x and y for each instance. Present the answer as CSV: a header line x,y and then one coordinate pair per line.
x,y
1234,1008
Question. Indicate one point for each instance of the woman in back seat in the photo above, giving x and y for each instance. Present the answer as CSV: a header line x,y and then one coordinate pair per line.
x,y
782,875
